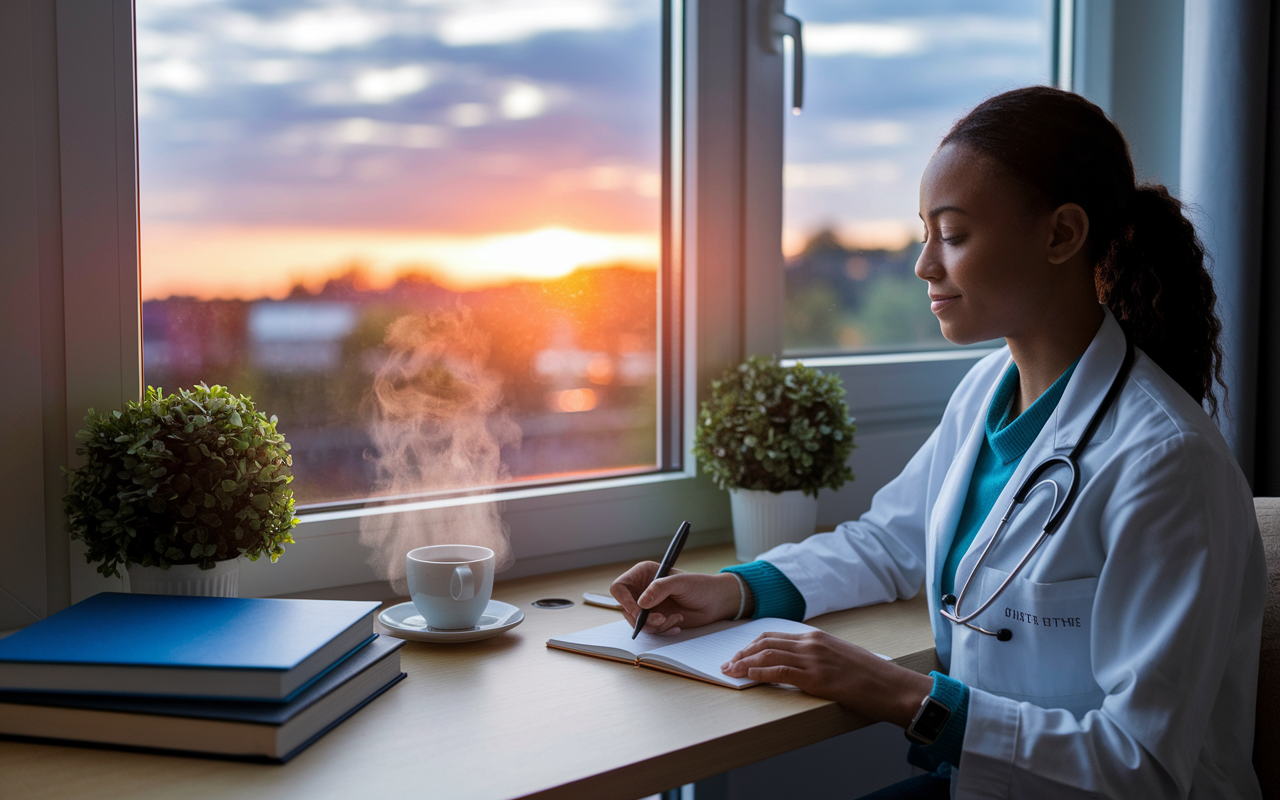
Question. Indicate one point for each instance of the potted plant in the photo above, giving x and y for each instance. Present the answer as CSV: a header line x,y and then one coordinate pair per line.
x,y
177,488
773,436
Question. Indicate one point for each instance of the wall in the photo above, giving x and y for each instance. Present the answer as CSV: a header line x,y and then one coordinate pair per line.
x,y
33,573
1128,60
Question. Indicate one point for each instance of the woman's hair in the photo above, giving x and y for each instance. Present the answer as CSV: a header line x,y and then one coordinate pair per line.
x,y
1149,265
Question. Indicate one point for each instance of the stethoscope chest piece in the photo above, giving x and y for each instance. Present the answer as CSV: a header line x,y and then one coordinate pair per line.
x,y
1001,634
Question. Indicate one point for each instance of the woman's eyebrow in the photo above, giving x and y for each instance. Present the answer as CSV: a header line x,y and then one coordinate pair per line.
x,y
933,213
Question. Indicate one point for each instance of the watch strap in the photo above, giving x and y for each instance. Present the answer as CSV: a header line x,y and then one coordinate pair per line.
x,y
950,745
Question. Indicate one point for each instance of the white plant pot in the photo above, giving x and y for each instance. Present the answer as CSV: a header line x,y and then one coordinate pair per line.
x,y
763,520
221,581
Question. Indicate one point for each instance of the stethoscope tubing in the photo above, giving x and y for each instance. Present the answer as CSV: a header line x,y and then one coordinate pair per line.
x,y
965,619
1059,512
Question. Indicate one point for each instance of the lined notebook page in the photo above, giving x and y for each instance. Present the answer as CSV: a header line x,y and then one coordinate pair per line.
x,y
614,639
705,653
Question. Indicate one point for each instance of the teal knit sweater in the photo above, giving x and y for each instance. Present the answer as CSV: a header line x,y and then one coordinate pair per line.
x,y
1007,440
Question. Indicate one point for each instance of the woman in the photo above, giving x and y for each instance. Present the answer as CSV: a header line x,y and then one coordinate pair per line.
x,y
1126,660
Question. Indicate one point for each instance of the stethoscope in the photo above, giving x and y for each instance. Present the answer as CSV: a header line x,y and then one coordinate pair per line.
x,y
1029,486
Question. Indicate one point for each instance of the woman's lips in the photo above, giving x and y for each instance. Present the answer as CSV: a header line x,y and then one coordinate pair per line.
x,y
940,303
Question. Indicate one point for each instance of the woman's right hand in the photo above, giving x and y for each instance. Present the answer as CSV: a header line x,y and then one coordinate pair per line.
x,y
680,600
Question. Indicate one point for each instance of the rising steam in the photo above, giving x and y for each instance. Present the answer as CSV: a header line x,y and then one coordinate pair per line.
x,y
437,424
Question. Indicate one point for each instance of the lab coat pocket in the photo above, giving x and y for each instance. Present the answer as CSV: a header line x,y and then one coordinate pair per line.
x,y
1048,657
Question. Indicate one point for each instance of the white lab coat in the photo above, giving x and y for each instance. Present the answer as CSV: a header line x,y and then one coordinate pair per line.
x,y
1133,665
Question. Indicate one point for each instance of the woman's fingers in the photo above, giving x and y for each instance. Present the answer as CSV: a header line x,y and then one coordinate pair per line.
x,y
630,585
767,641
782,656
674,585
657,622
623,595
665,625
781,673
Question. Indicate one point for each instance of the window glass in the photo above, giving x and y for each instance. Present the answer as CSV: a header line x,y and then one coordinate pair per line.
x,y
885,80
424,233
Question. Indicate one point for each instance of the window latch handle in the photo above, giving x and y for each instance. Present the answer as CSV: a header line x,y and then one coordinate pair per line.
x,y
777,23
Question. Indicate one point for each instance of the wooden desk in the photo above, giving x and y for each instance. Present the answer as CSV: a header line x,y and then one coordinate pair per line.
x,y
507,718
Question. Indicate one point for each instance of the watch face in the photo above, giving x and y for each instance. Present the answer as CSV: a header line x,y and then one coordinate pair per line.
x,y
930,721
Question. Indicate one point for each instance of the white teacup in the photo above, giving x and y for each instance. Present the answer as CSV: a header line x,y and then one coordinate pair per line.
x,y
450,584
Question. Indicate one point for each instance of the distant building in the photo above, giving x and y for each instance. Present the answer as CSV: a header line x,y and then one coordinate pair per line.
x,y
297,336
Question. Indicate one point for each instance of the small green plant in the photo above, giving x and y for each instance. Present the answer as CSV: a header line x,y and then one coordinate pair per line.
x,y
196,477
774,428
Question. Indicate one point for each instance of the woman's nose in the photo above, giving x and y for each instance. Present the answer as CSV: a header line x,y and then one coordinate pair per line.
x,y
927,266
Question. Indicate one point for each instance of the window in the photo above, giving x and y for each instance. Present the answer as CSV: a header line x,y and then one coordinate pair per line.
x,y
717,277
429,237
885,81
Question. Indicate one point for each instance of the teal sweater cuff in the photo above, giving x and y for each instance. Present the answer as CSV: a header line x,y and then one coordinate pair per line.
x,y
955,695
775,594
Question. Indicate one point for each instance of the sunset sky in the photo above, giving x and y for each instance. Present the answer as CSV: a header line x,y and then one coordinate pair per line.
x,y
229,262
486,140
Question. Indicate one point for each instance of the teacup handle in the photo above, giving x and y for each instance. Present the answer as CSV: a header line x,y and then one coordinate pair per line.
x,y
462,586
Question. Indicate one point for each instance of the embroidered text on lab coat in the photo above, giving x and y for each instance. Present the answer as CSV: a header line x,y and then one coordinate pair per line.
x,y
1044,622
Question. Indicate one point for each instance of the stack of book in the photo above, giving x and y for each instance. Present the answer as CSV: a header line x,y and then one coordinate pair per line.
x,y
233,677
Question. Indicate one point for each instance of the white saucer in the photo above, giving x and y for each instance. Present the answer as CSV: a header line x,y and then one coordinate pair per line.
x,y
404,622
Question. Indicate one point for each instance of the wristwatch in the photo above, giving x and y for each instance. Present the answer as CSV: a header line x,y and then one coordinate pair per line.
x,y
929,721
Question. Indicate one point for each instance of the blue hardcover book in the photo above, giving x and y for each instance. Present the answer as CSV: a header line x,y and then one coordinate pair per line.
x,y
153,644
229,728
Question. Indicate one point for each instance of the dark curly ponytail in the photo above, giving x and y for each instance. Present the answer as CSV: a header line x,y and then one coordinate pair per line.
x,y
1149,264
1153,279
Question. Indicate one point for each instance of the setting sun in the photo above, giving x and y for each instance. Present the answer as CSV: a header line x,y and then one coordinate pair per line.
x,y
244,262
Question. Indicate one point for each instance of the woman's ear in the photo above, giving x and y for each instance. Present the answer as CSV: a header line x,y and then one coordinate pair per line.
x,y
1069,229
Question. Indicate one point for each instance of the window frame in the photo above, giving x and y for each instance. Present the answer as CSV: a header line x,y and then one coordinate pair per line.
x,y
553,527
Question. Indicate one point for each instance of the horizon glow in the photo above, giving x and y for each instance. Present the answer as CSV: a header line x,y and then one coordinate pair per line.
x,y
245,263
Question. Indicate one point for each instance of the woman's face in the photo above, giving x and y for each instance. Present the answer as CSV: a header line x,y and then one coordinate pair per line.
x,y
985,249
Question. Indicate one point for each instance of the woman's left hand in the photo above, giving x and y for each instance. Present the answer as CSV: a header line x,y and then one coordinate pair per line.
x,y
826,666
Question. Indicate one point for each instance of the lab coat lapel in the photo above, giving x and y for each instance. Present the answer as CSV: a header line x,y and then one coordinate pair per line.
x,y
1037,452
1085,390
951,495
1089,384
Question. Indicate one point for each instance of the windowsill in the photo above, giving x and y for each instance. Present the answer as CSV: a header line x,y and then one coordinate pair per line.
x,y
865,359
551,529
382,592
586,487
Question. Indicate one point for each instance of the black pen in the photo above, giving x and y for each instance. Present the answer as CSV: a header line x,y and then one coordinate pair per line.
x,y
668,561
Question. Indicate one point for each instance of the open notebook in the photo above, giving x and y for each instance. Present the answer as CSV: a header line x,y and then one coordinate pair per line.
x,y
695,653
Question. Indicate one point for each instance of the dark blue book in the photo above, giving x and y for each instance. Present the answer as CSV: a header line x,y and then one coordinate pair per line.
x,y
151,644
228,728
